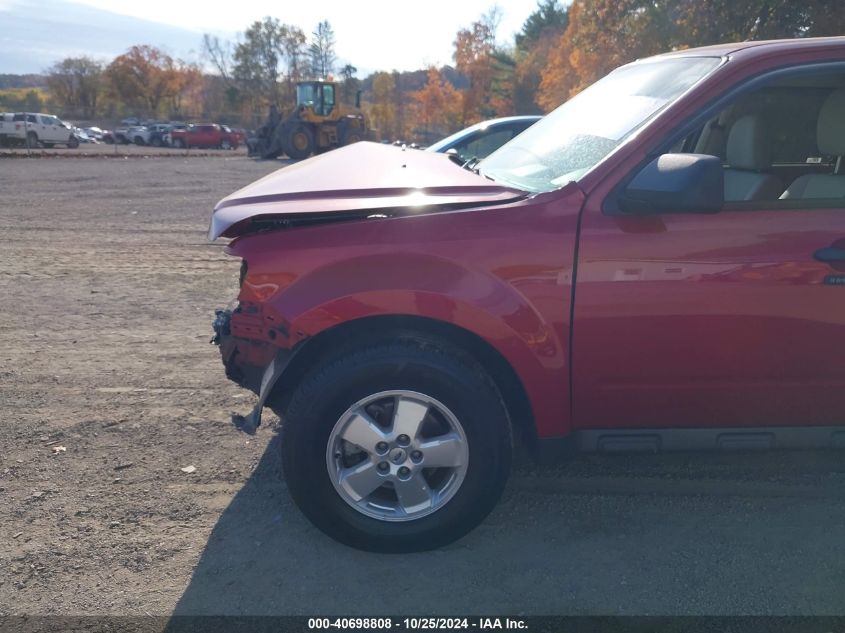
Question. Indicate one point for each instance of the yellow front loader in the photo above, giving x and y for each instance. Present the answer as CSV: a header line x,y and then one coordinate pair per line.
x,y
318,123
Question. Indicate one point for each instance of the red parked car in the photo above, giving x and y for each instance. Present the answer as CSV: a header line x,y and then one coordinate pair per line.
x,y
657,265
211,135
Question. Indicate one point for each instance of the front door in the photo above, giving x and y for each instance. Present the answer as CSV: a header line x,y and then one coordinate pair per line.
x,y
51,131
730,319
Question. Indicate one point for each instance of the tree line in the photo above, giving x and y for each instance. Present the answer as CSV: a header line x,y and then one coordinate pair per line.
x,y
558,51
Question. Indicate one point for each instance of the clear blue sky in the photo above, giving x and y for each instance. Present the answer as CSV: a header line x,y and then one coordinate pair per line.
x,y
371,34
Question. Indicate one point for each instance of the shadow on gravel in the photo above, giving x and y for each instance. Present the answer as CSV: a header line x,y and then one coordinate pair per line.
x,y
658,535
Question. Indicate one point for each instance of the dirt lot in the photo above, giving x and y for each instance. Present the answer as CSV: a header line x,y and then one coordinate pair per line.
x,y
108,288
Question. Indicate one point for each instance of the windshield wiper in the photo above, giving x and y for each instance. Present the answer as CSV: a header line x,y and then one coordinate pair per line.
x,y
472,164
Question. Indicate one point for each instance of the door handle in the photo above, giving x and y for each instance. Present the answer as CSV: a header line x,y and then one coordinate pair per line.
x,y
830,254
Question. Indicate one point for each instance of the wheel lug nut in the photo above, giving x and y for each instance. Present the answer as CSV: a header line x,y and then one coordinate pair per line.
x,y
403,439
416,456
404,471
382,447
383,467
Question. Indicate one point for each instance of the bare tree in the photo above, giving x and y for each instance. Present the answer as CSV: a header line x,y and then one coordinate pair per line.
x,y
76,82
322,50
293,43
219,53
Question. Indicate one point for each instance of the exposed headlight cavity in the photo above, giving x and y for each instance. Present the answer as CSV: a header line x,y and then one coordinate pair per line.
x,y
242,275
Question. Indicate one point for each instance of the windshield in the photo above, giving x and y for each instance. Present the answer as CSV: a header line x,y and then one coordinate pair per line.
x,y
570,141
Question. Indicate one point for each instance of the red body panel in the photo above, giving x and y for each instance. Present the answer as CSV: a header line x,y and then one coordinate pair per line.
x,y
467,268
679,320
708,320
331,183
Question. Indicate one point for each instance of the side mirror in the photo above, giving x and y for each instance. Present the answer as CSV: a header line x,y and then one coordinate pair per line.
x,y
676,183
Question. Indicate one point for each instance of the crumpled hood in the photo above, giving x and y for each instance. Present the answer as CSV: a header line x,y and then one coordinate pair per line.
x,y
355,182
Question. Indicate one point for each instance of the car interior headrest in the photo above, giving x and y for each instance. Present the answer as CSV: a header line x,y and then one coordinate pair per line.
x,y
749,145
831,127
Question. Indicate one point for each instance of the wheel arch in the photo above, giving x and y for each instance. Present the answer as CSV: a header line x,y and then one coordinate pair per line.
x,y
312,350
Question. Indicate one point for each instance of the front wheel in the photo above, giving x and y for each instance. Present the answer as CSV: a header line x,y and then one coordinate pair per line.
x,y
178,143
398,446
225,144
299,142
73,142
31,140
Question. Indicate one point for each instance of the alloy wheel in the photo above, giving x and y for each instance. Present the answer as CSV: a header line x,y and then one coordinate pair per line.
x,y
397,455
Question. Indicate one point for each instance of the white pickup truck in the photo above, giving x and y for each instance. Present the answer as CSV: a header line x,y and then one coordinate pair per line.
x,y
34,129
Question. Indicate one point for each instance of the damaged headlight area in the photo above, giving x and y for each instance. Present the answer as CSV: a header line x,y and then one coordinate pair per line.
x,y
242,275
221,325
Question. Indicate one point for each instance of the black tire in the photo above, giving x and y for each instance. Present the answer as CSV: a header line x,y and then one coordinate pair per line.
x,y
299,142
73,142
178,143
435,369
156,142
225,144
138,141
350,135
31,140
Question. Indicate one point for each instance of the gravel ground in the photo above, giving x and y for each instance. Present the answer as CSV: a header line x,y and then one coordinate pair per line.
x,y
109,388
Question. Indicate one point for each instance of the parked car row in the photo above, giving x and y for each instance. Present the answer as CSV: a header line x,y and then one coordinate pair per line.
x,y
35,129
178,134
46,130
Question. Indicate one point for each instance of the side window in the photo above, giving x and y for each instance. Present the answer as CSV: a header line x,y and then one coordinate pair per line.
x,y
483,144
521,127
781,142
30,118
328,99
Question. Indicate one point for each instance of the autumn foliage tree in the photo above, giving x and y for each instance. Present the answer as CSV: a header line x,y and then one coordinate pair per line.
x,y
604,34
382,112
438,106
562,47
699,23
601,35
534,43
147,79
474,48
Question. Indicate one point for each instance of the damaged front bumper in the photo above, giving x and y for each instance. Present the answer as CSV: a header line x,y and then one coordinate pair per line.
x,y
254,365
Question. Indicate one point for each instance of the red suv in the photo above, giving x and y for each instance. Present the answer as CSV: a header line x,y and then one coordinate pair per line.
x,y
659,264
